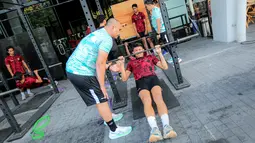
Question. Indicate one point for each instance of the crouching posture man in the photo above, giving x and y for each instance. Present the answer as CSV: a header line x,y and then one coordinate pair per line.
x,y
147,82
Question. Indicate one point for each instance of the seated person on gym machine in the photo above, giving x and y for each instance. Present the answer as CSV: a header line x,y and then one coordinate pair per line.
x,y
147,82
26,82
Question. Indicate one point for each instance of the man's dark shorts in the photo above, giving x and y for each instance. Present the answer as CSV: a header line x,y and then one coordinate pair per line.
x,y
142,34
88,87
147,83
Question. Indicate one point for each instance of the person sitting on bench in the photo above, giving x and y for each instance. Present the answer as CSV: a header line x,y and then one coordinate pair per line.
x,y
25,82
146,81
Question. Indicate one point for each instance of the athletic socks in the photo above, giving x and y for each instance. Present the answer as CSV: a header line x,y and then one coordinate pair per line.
x,y
165,119
23,96
152,122
112,125
29,91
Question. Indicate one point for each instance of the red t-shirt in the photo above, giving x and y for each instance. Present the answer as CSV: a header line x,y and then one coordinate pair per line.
x,y
143,67
28,83
16,63
138,19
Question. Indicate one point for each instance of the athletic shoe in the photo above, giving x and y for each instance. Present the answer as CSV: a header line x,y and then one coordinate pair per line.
x,y
116,117
120,132
155,135
169,132
23,97
30,94
164,52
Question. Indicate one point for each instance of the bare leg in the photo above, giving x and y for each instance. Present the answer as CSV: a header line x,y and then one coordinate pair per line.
x,y
145,43
150,42
158,99
147,103
104,111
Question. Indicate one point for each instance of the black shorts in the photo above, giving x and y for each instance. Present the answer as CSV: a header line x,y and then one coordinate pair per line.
x,y
147,83
142,34
88,87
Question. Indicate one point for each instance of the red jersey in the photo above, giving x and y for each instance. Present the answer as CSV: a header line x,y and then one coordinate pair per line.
x,y
138,19
15,63
28,83
142,67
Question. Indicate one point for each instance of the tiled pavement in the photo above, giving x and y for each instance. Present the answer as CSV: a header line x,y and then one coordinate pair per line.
x,y
220,104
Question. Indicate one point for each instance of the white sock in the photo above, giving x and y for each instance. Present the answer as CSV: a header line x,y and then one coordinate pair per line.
x,y
28,91
23,95
165,119
152,122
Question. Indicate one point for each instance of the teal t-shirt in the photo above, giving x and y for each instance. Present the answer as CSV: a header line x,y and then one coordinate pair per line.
x,y
83,59
156,14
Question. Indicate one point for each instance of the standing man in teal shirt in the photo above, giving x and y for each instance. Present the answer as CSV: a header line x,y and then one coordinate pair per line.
x,y
158,23
86,70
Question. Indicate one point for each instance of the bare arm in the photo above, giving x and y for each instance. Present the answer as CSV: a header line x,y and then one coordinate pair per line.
x,y
100,67
126,47
125,74
162,63
135,28
10,70
38,78
145,25
158,26
25,65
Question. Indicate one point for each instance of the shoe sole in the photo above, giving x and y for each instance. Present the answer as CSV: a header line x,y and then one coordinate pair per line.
x,y
170,135
125,134
154,138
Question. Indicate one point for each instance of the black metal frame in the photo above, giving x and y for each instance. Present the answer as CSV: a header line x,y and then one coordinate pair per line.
x,y
180,83
5,83
88,14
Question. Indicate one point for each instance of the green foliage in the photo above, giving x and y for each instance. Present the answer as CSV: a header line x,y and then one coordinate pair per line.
x,y
40,18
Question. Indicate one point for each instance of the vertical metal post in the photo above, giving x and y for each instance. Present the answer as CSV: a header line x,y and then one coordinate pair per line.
x,y
113,86
172,49
99,7
30,34
88,15
165,17
4,81
6,34
9,116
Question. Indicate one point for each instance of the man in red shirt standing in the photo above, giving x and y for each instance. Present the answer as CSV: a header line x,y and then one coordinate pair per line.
x,y
139,23
15,63
142,66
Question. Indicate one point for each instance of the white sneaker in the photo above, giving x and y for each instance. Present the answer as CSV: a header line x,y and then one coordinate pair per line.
x,y
30,94
116,117
120,132
23,97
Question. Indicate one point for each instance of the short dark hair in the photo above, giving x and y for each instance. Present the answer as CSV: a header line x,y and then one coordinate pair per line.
x,y
7,49
100,18
134,5
18,76
136,45
149,2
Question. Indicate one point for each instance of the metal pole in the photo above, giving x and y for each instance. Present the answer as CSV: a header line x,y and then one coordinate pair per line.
x,y
4,29
30,34
5,83
171,49
9,116
113,86
99,7
88,15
